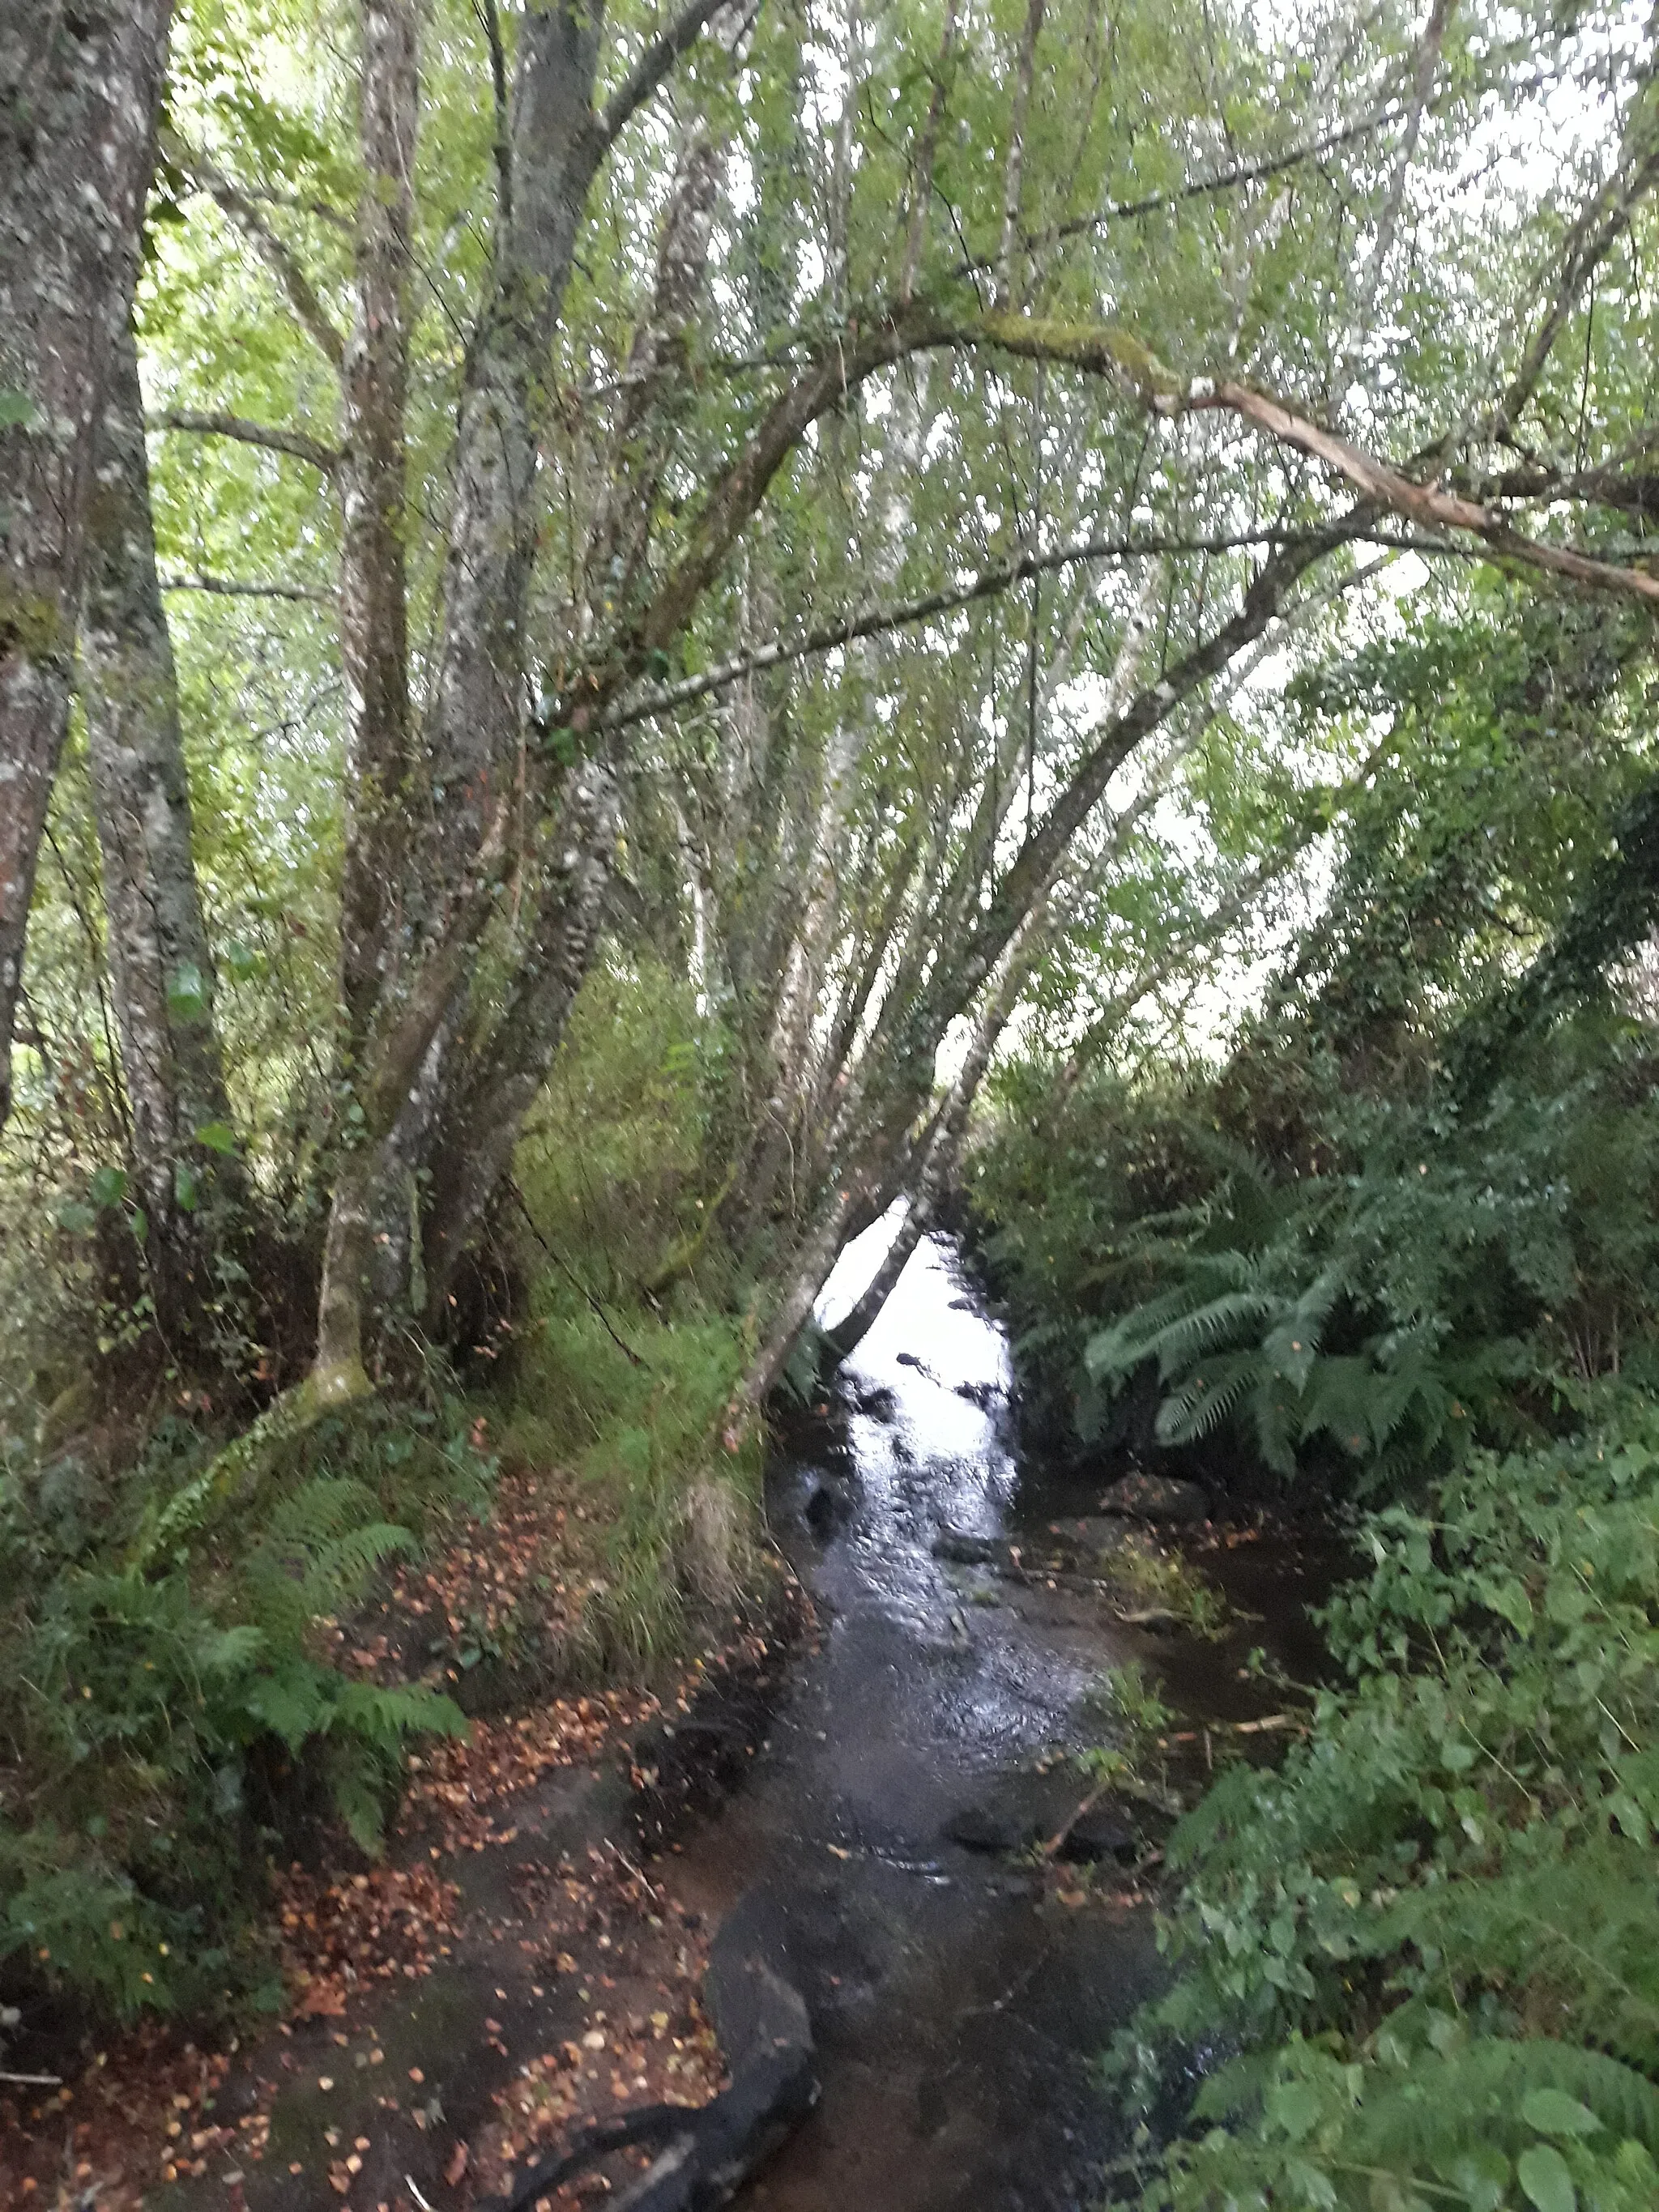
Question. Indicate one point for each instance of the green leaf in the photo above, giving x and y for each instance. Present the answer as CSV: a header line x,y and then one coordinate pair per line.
x,y
1545,2181
186,1186
218,1136
1294,2106
78,1219
17,410
109,1187
187,992
1482,2172
1553,2112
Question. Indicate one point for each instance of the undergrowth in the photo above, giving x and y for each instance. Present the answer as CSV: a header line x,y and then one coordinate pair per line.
x,y
1431,1938
170,1717
165,1708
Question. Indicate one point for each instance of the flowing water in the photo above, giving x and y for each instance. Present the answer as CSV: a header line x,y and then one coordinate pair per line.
x,y
959,2003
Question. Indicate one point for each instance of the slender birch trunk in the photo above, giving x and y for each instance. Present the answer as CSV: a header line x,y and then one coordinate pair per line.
x,y
370,475
80,93
161,966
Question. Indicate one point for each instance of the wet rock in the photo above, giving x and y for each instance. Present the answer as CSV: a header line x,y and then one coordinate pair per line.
x,y
982,1395
1091,1535
997,1828
909,1359
963,1305
1156,1497
876,1404
1024,1811
1098,1834
969,1551
828,1508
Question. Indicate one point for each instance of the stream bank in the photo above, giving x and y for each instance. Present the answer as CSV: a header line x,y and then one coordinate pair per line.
x,y
857,1808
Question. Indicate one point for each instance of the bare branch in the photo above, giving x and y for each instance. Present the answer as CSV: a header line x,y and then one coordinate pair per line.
x,y
293,442
921,185
652,67
244,212
1105,350
1230,179
874,621
1423,76
1602,223
489,18
227,587
1014,169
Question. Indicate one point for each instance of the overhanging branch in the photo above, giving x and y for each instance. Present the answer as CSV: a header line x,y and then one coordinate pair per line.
x,y
228,588
1103,350
278,258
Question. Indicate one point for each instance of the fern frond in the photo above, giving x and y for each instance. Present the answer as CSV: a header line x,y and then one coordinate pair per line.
x,y
1223,1321
1445,2102
1205,1402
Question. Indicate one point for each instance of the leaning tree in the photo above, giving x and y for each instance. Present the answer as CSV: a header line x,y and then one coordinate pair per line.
x,y
685,404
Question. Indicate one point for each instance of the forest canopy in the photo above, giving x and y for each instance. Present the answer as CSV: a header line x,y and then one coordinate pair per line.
x,y
631,636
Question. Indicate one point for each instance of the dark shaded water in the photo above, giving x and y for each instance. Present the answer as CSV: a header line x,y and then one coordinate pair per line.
x,y
959,2007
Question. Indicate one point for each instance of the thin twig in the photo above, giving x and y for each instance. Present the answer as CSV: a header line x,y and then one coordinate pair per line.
x,y
566,1270
228,588
296,442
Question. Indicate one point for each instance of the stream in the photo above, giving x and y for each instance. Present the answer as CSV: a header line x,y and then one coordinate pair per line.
x,y
959,2001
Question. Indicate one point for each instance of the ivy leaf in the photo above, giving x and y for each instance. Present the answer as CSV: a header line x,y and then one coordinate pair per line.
x,y
218,1136
77,1217
186,1186
17,410
1545,2181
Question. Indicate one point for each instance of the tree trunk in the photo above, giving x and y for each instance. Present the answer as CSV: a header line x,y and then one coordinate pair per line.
x,y
452,849
80,92
161,967
370,475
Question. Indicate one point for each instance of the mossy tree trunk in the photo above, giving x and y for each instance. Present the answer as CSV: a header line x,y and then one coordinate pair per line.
x,y
80,92
183,1171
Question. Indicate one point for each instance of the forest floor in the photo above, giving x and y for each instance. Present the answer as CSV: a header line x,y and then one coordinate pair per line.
x,y
506,1971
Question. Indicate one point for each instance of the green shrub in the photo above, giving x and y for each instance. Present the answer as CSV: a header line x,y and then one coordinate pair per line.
x,y
1431,1938
1386,1307
163,1695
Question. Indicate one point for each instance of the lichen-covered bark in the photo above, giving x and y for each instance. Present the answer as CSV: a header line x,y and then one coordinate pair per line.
x,y
80,89
370,477
453,841
478,1133
161,967
482,1101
